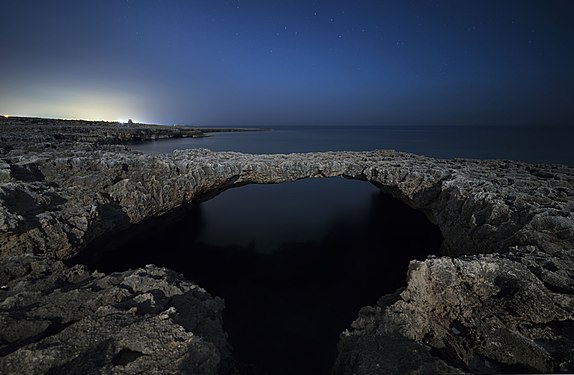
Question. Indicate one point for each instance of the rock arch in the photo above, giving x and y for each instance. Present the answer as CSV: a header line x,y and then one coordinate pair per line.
x,y
480,206
511,226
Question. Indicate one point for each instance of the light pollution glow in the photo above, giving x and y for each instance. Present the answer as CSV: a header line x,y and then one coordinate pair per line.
x,y
74,104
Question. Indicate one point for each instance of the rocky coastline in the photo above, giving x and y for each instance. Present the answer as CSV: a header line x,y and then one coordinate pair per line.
x,y
500,298
33,133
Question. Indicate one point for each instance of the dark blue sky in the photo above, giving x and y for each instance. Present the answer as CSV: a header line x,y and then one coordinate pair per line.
x,y
269,62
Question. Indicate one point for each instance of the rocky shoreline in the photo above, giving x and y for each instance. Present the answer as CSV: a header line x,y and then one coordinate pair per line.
x,y
33,133
499,299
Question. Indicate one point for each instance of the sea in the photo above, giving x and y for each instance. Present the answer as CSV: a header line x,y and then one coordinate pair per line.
x,y
533,144
307,206
295,262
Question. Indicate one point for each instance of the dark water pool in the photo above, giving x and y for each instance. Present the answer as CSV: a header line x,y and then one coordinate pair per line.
x,y
294,262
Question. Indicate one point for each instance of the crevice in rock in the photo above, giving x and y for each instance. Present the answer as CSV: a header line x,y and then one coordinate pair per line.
x,y
26,172
56,326
126,356
94,358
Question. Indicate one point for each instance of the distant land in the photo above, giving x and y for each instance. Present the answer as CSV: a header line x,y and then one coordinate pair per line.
x,y
15,131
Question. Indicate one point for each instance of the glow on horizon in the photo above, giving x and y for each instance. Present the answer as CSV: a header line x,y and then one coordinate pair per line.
x,y
126,121
73,104
76,118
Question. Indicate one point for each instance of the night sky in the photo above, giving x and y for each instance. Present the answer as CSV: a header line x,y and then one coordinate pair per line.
x,y
270,62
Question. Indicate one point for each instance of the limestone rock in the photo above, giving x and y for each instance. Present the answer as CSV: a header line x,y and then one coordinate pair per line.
x,y
69,320
78,196
484,314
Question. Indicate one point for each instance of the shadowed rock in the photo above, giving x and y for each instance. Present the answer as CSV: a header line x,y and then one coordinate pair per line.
x,y
69,320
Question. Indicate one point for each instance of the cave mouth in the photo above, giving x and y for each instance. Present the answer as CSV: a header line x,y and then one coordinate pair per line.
x,y
294,263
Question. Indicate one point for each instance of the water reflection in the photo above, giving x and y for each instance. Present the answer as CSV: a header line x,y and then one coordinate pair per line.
x,y
267,216
294,263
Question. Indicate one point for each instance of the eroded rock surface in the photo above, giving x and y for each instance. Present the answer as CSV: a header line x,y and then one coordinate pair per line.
x,y
501,299
57,319
57,202
483,314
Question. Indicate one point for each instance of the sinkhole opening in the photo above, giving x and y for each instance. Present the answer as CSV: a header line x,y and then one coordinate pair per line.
x,y
294,263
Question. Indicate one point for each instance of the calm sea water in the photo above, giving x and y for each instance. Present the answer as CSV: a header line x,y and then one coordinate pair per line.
x,y
530,143
264,217
294,263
